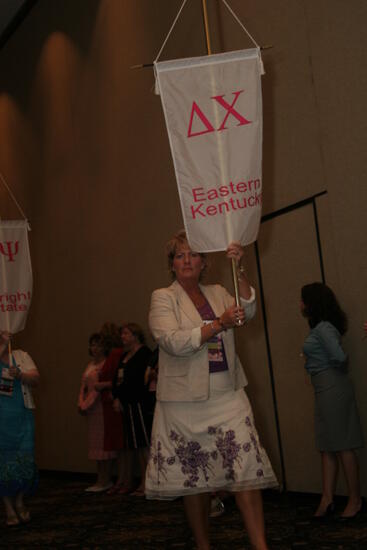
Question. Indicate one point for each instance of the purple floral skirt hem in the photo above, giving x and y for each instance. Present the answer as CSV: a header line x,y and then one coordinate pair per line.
x,y
206,446
251,484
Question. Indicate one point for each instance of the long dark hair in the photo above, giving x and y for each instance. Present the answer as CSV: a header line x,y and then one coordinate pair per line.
x,y
95,338
321,305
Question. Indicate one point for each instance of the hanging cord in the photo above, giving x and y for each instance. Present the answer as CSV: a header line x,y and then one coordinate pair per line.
x,y
170,31
12,196
240,23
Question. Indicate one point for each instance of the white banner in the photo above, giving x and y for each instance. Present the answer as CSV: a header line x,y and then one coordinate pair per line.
x,y
213,112
15,275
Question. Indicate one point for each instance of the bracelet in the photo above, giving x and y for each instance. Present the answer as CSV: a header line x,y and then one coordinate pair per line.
x,y
240,271
221,323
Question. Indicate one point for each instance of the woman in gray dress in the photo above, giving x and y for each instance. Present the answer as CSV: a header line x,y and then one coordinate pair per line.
x,y
337,426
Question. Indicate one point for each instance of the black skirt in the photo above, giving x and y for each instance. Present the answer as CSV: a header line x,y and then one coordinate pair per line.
x,y
137,425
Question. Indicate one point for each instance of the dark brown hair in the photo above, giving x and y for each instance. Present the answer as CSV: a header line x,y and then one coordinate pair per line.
x,y
321,305
136,330
111,338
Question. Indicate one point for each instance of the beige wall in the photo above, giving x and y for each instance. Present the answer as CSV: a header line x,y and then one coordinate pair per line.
x,y
84,145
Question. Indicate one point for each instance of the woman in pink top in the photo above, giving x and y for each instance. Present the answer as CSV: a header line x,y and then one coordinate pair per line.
x,y
90,404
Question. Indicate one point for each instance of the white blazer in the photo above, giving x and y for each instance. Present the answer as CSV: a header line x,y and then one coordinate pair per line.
x,y
176,326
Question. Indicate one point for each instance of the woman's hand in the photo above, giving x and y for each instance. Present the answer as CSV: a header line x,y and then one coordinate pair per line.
x,y
233,316
235,250
15,372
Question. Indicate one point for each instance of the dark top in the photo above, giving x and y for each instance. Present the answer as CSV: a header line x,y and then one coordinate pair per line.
x,y
128,384
154,357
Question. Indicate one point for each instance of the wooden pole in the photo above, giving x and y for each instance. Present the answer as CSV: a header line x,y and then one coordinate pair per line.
x,y
209,52
206,27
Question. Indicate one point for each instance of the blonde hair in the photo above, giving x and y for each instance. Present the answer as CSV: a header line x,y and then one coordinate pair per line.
x,y
178,240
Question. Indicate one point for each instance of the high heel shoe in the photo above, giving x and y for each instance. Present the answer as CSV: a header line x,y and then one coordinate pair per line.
x,y
356,515
24,515
12,520
328,512
115,489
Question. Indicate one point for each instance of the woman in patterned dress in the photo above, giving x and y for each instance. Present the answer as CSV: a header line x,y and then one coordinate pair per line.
x,y
204,438
18,472
90,404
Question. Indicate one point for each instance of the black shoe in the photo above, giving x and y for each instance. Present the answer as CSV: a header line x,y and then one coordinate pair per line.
x,y
357,515
328,512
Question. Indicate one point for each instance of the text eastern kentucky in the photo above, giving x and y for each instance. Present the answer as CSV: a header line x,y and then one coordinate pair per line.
x,y
225,198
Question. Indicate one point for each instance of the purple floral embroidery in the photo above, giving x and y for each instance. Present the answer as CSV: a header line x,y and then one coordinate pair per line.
x,y
246,447
229,450
174,436
256,447
192,458
197,463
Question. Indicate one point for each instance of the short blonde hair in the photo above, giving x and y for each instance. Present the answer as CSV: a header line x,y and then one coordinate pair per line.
x,y
180,239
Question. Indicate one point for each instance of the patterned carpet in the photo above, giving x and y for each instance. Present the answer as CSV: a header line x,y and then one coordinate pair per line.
x,y
64,516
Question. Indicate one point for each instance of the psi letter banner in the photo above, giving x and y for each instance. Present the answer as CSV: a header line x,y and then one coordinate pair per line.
x,y
213,111
15,275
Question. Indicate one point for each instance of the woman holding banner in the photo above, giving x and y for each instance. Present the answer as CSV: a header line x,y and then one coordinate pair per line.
x,y
18,472
204,438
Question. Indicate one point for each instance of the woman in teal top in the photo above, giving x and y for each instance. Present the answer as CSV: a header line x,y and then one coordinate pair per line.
x,y
337,426
18,472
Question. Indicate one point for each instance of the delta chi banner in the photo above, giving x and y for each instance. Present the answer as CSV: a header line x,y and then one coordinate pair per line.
x,y
16,275
213,111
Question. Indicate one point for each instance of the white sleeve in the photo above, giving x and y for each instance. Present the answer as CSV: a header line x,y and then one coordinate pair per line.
x,y
165,327
248,305
26,363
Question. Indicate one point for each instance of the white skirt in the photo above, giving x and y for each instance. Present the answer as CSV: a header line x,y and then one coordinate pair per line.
x,y
206,446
